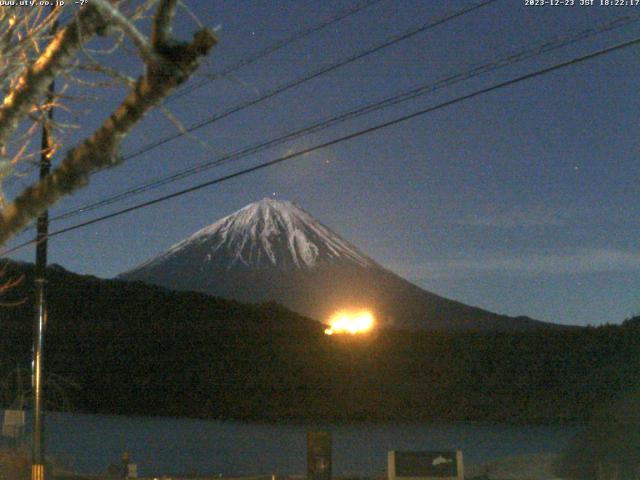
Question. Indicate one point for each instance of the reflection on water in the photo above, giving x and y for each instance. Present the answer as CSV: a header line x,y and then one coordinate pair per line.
x,y
184,446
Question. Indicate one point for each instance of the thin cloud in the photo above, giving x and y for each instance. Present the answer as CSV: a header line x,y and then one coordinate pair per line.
x,y
576,262
519,217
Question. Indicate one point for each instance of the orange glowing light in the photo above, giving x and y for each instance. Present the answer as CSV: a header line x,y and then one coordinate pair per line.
x,y
350,322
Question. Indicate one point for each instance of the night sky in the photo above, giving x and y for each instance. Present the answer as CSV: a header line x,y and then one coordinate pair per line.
x,y
523,201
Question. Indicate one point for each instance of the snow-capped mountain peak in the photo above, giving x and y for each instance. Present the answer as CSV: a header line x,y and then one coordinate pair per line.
x,y
273,250
266,234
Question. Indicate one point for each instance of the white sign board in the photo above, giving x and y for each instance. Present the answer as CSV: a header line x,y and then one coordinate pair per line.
x,y
132,470
435,465
13,423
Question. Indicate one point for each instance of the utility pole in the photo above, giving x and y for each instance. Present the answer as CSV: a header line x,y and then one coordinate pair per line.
x,y
46,145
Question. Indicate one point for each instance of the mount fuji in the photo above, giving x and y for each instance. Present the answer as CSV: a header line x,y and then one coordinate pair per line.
x,y
273,250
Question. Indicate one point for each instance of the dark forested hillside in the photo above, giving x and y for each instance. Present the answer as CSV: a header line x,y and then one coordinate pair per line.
x,y
138,349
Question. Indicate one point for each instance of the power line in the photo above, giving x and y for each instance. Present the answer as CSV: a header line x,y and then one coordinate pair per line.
x,y
275,47
510,59
295,83
278,45
392,41
269,49
345,61
341,139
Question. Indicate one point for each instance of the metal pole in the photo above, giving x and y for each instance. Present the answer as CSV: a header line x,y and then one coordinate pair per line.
x,y
37,453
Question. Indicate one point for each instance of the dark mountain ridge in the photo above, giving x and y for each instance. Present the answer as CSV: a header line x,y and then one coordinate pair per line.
x,y
132,348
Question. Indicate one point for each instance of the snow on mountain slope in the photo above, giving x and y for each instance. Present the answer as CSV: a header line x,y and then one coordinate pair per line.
x,y
274,251
265,234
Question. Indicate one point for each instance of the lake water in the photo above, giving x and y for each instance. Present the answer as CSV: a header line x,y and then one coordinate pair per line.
x,y
171,446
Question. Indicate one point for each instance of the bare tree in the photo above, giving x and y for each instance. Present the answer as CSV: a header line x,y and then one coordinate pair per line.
x,y
31,58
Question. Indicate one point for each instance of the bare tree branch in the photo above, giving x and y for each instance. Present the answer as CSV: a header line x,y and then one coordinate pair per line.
x,y
176,62
35,80
161,34
123,23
